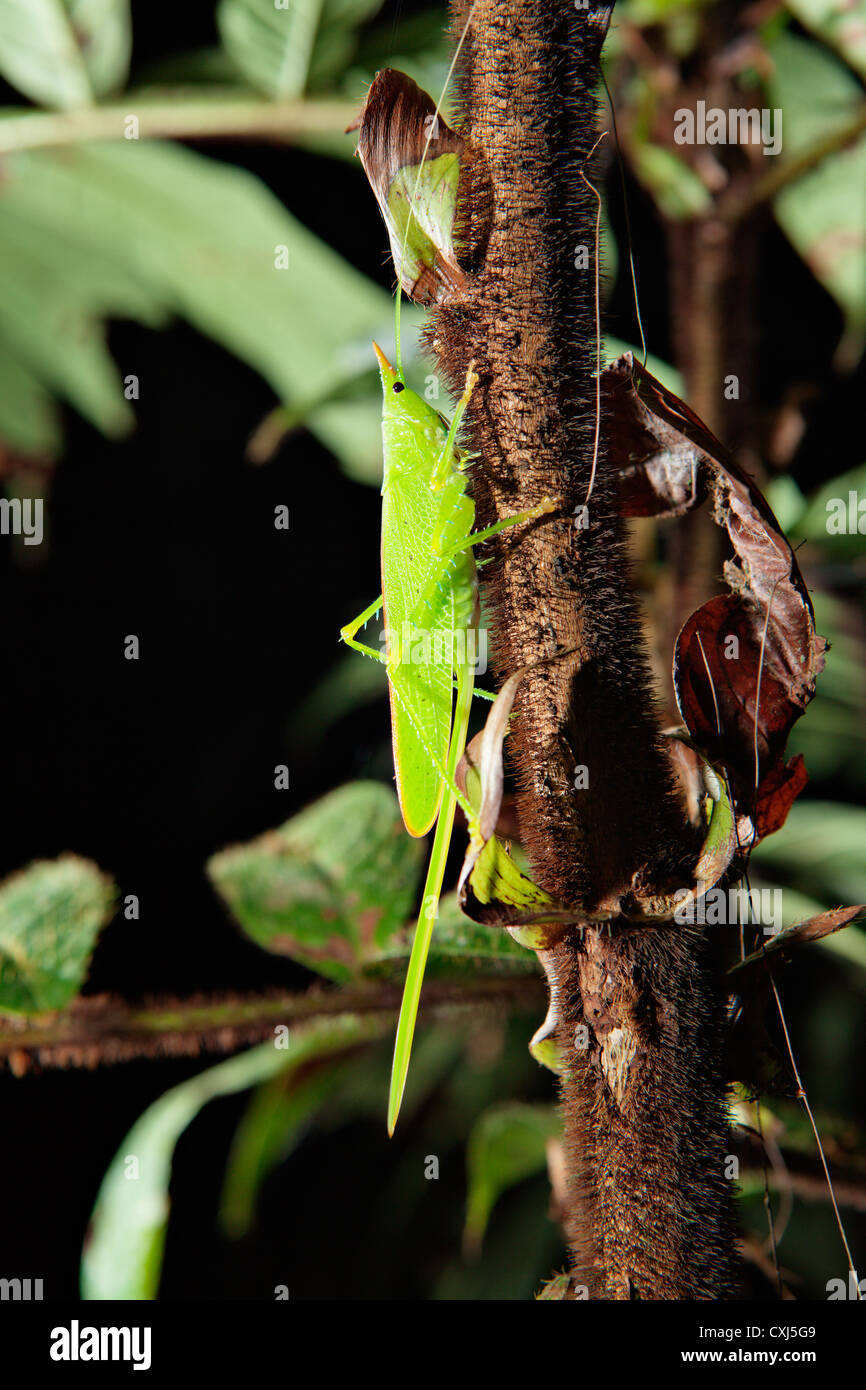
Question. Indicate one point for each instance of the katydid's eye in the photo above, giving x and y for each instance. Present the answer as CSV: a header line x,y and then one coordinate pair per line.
x,y
398,387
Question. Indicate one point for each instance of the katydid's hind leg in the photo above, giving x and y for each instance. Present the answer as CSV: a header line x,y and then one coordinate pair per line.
x,y
347,633
444,467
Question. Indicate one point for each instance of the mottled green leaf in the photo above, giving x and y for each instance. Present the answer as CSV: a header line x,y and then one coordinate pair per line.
x,y
461,946
331,886
50,916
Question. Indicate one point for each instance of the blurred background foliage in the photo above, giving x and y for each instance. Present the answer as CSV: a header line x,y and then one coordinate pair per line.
x,y
172,178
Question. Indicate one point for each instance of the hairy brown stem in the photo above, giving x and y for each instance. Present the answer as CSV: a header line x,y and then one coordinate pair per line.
x,y
640,1008
105,1029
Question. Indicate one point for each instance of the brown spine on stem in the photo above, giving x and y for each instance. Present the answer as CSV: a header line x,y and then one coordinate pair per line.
x,y
643,1092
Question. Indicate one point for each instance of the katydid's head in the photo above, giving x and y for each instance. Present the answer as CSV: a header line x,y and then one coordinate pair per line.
x,y
392,379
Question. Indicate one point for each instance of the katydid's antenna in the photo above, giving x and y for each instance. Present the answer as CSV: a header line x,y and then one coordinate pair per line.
x,y
629,240
432,123
597,320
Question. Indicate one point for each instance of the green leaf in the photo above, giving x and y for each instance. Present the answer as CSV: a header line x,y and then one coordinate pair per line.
x,y
268,1132
50,306
674,185
831,509
199,238
64,52
50,916
271,43
507,1144
418,48
820,850
337,39
331,886
122,1255
352,431
840,23
103,30
28,416
824,212
461,946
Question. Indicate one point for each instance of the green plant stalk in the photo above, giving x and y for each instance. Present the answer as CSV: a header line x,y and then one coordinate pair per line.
x,y
184,116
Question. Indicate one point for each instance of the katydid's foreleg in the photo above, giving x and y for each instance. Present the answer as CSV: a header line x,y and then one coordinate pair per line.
x,y
445,466
347,633
430,900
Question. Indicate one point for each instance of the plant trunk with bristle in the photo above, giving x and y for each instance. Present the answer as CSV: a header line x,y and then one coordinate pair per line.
x,y
641,1008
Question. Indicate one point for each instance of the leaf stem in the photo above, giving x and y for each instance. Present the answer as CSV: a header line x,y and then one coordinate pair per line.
x,y
183,115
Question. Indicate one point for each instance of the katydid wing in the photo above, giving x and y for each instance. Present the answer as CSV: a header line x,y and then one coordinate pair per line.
x,y
429,591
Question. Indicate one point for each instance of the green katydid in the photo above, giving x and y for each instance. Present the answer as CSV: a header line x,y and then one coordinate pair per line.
x,y
429,603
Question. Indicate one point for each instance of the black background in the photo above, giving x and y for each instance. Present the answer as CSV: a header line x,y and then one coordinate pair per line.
x,y
148,767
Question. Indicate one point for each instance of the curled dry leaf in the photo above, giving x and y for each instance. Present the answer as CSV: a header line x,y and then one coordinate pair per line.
x,y
746,662
415,163
494,890
813,929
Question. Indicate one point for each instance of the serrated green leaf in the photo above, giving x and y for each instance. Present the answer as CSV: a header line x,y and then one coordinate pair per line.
x,y
508,1143
331,886
122,1255
64,52
50,916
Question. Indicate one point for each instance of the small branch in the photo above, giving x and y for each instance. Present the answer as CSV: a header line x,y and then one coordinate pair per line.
x,y
106,1029
812,1187
739,204
640,1011
184,116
